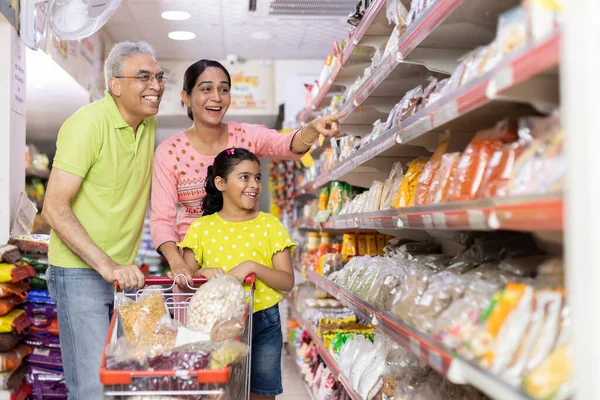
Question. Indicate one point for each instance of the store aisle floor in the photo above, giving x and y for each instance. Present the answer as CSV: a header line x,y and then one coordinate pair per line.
x,y
293,386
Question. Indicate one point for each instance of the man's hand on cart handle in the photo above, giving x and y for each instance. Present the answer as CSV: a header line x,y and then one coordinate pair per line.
x,y
128,276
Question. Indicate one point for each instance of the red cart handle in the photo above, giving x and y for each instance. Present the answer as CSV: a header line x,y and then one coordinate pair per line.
x,y
165,280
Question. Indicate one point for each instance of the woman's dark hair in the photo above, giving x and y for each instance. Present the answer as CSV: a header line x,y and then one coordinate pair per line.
x,y
224,163
193,73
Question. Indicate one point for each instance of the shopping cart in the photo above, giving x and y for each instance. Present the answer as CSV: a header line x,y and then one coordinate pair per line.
x,y
231,383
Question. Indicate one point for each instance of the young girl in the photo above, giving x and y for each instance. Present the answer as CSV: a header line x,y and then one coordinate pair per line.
x,y
232,237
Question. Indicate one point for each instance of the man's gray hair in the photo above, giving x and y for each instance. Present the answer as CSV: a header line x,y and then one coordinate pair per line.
x,y
113,66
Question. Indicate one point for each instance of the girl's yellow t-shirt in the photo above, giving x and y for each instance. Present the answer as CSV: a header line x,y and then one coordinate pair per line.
x,y
223,244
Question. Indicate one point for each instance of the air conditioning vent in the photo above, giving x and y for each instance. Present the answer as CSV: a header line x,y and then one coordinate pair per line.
x,y
312,8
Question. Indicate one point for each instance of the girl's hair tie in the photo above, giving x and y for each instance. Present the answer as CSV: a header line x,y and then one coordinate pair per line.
x,y
230,152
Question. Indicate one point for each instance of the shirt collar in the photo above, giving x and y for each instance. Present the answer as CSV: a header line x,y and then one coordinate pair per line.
x,y
115,114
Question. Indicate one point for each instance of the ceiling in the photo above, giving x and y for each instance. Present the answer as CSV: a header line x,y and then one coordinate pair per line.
x,y
293,29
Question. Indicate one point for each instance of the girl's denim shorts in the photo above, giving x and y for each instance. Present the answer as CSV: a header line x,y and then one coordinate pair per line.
x,y
267,343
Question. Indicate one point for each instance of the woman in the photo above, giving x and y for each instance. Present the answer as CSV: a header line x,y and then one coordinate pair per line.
x,y
181,162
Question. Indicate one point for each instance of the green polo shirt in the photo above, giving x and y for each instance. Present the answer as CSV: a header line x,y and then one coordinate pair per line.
x,y
98,145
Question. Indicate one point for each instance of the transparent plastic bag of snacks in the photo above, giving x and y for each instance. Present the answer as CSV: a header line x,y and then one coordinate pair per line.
x,y
474,160
441,88
457,323
541,168
227,353
429,89
490,272
343,276
362,278
374,367
410,103
121,355
374,199
539,338
442,289
384,286
394,180
363,287
442,180
216,300
405,195
411,290
139,318
396,14
512,31
415,385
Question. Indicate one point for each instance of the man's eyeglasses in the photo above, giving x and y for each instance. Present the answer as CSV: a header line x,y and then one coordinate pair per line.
x,y
160,78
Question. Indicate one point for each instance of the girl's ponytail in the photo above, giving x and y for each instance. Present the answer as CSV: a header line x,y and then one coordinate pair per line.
x,y
213,201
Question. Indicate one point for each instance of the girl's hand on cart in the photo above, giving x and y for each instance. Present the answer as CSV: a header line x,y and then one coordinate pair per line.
x,y
210,273
180,267
129,276
242,270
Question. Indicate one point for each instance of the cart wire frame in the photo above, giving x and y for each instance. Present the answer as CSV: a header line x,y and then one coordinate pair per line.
x,y
231,383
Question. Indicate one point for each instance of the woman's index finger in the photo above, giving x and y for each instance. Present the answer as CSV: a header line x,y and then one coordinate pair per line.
x,y
337,116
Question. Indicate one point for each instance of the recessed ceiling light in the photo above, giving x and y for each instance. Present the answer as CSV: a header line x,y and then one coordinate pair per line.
x,y
176,15
261,35
182,35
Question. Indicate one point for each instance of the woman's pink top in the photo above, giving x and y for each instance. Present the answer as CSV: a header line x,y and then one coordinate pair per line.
x,y
179,174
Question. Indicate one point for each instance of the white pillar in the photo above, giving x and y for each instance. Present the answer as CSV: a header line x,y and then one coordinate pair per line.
x,y
581,105
12,124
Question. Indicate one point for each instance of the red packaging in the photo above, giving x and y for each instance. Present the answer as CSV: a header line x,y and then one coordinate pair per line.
x,y
438,191
473,163
428,174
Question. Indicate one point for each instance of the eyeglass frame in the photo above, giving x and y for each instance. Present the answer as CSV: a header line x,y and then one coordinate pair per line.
x,y
161,80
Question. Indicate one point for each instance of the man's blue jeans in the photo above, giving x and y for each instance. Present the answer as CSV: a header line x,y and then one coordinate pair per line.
x,y
85,304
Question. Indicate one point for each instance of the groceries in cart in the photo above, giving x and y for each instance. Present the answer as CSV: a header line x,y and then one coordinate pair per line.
x,y
152,340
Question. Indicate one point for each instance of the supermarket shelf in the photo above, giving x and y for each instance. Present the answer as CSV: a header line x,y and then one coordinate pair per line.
x,y
519,213
373,29
526,76
324,353
476,105
433,42
292,352
423,346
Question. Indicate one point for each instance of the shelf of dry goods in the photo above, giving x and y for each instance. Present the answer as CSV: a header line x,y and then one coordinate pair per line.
x,y
292,351
434,41
526,76
518,213
372,31
324,353
423,346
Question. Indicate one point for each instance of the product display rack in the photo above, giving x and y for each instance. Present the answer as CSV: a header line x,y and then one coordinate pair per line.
x,y
426,348
523,83
324,353
292,352
526,73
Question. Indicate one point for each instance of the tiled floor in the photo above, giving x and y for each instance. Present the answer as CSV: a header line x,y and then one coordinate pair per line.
x,y
293,386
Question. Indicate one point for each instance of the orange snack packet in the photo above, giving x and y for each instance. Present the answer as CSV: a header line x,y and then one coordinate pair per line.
x,y
429,171
473,163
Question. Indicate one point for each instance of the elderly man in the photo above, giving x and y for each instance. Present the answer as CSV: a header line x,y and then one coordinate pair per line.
x,y
96,202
